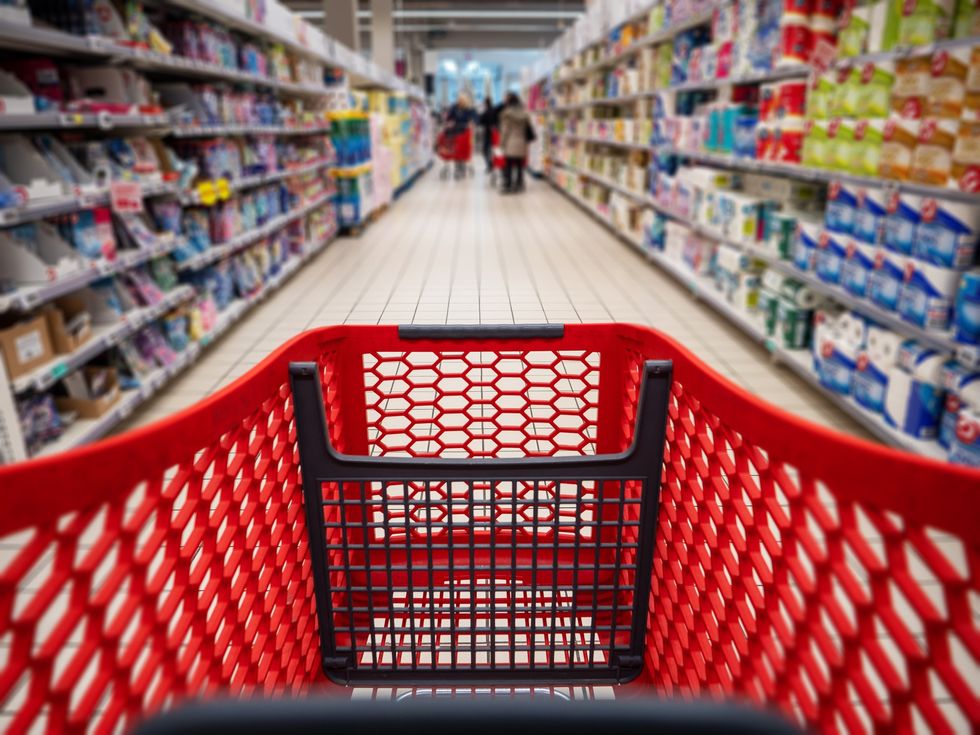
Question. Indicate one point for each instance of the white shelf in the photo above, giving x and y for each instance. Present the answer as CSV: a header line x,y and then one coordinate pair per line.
x,y
27,298
223,250
53,206
81,121
604,141
789,72
799,361
942,341
85,431
816,174
103,338
193,197
651,39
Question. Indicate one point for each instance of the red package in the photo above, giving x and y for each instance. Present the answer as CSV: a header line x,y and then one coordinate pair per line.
x,y
795,43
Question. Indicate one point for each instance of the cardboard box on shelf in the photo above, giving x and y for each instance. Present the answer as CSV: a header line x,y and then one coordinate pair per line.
x,y
26,345
93,408
69,324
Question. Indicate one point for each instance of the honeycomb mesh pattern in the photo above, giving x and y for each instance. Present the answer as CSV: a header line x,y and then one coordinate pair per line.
x,y
819,574
770,584
481,404
193,582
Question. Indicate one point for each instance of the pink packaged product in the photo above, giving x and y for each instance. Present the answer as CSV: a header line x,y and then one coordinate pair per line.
x,y
225,221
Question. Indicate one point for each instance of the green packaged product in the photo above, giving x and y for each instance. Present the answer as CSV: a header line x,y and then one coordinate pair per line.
x,y
768,308
780,231
925,21
794,325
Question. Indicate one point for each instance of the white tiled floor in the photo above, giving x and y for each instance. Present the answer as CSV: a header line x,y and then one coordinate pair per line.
x,y
462,253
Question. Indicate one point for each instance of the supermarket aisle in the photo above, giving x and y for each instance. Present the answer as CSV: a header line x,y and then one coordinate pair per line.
x,y
462,253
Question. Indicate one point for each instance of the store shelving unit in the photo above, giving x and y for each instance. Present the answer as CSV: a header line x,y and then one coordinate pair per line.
x,y
799,362
277,26
554,74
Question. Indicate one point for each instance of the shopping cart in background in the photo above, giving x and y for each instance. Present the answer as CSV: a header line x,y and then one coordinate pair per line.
x,y
532,508
455,149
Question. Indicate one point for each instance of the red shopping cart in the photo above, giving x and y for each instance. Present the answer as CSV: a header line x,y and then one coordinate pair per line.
x,y
455,148
519,505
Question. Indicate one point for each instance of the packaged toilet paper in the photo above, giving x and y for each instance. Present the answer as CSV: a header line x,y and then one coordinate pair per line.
x,y
962,387
869,218
805,246
927,294
886,280
948,233
830,257
959,427
902,222
914,397
966,309
859,262
841,207
965,446
838,338
870,381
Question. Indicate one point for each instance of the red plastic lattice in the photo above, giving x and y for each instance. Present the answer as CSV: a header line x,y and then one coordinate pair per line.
x,y
837,580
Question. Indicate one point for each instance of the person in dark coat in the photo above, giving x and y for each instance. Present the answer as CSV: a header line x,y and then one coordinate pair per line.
x,y
488,121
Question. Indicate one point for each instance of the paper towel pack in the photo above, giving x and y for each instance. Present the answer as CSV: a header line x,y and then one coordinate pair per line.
x,y
948,233
913,401
838,338
874,362
927,294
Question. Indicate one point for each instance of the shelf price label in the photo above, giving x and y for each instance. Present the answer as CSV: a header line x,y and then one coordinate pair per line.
x,y
207,193
59,371
222,189
126,197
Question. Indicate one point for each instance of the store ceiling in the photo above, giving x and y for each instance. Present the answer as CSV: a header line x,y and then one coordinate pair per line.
x,y
466,24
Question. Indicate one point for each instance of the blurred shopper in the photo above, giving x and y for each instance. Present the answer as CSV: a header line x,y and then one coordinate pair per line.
x,y
488,121
515,134
459,117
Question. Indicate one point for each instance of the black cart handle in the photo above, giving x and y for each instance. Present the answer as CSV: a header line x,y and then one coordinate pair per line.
x,y
481,331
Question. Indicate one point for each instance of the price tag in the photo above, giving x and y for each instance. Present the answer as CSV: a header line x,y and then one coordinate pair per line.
x,y
770,344
71,119
126,197
223,189
59,371
206,193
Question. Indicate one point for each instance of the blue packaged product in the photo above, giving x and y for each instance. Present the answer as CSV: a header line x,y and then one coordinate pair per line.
x,y
745,126
947,234
914,399
962,387
859,262
805,244
966,310
927,294
829,258
886,280
841,208
870,382
869,219
902,222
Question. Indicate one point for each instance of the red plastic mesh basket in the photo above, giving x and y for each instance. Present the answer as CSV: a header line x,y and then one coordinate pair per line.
x,y
833,578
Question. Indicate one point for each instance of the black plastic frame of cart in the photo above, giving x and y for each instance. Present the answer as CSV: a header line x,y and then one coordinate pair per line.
x,y
410,603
